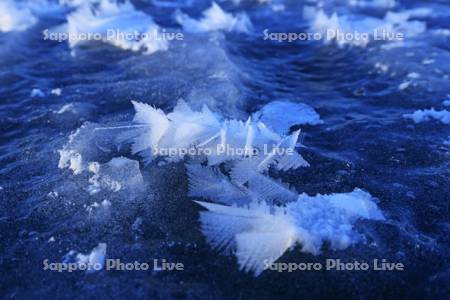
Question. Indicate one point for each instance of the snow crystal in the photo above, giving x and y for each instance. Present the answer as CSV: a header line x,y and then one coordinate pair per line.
x,y
123,17
261,217
259,234
329,218
331,26
424,115
402,21
281,115
200,133
214,18
428,61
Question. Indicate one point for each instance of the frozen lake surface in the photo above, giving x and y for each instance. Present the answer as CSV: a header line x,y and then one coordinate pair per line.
x,y
375,131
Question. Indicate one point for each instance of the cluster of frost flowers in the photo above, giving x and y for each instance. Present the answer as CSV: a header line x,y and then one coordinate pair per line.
x,y
249,214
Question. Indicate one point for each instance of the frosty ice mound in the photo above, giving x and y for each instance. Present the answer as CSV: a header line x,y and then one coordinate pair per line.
x,y
214,18
14,18
22,15
254,217
95,20
357,30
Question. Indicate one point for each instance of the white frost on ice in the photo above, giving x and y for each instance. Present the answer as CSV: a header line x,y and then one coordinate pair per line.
x,y
56,92
109,17
94,260
64,108
22,15
255,235
15,17
70,159
404,21
357,30
404,85
382,67
259,234
37,93
211,184
261,217
214,19
413,75
428,61
281,115
183,130
424,115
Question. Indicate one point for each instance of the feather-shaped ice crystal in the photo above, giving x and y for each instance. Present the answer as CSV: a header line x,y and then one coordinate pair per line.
x,y
259,234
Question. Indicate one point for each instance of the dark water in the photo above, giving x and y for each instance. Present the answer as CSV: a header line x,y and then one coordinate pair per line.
x,y
364,142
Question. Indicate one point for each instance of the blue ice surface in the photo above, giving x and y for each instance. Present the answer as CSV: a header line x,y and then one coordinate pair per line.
x,y
364,142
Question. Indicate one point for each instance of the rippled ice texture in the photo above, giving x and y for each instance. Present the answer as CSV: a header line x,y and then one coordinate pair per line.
x,y
379,123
